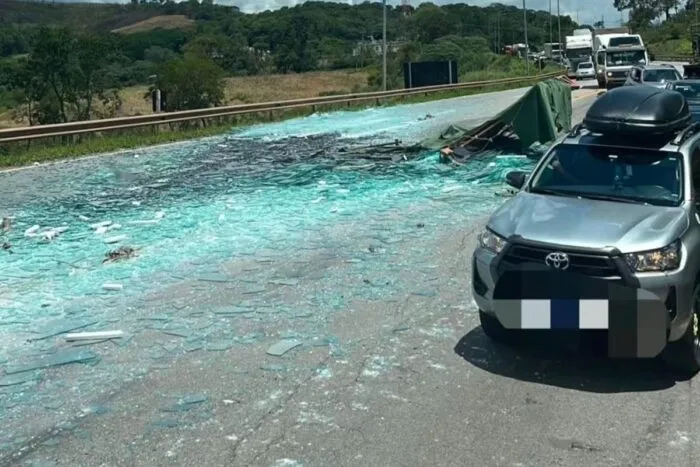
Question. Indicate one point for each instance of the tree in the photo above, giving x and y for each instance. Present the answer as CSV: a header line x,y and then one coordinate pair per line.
x,y
191,82
72,71
431,22
227,53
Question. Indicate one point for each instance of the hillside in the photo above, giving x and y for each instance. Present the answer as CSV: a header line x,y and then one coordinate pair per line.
x,y
92,16
164,22
44,43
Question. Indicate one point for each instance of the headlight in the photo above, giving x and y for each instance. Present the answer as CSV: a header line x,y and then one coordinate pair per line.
x,y
664,259
491,241
609,73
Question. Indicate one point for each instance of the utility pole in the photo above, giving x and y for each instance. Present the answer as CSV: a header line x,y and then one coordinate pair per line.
x,y
559,22
550,21
384,46
498,33
527,46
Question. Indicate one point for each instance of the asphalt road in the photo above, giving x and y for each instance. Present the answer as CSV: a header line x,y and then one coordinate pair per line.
x,y
415,383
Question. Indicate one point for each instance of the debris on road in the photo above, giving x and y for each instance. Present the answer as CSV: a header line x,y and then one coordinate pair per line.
x,y
117,239
122,252
62,357
62,326
95,335
282,347
31,231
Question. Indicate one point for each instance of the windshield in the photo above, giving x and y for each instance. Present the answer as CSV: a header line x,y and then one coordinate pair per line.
x,y
579,53
625,57
585,65
626,40
661,76
618,174
691,91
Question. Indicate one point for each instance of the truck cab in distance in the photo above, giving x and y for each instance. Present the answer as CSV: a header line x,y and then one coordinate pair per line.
x,y
615,55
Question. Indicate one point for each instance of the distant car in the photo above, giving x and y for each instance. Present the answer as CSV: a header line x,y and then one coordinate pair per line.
x,y
652,75
690,88
585,70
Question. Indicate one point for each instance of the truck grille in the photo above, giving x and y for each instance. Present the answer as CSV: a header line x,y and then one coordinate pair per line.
x,y
618,74
587,264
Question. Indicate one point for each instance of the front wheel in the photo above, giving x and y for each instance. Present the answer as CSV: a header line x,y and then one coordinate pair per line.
x,y
494,330
683,355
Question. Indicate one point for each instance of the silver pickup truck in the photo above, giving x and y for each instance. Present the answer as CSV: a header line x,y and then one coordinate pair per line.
x,y
603,234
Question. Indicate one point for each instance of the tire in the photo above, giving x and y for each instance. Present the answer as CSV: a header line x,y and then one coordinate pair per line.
x,y
683,355
494,330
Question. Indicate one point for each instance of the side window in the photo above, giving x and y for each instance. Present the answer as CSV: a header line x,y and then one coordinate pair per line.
x,y
695,168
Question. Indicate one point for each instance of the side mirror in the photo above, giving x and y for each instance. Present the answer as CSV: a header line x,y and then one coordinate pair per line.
x,y
516,178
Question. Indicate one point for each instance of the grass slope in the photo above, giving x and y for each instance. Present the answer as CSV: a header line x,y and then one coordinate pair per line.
x,y
92,16
157,22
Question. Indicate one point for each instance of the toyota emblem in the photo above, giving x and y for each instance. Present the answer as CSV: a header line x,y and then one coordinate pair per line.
x,y
557,260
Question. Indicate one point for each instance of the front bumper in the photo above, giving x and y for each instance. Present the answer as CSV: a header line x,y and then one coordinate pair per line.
x,y
673,290
613,81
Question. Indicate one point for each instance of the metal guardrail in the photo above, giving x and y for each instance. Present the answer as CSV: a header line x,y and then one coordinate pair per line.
x,y
91,126
673,58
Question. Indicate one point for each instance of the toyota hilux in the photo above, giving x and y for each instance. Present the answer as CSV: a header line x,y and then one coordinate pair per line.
x,y
603,234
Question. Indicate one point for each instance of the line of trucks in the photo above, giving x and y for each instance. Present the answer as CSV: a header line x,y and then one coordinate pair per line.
x,y
613,52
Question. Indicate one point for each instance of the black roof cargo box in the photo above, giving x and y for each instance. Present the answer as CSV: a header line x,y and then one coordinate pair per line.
x,y
639,111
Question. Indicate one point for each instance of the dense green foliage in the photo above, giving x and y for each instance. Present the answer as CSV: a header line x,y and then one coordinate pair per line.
x,y
665,24
90,60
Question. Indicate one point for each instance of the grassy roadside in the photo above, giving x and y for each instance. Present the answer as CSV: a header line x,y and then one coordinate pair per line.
x,y
52,149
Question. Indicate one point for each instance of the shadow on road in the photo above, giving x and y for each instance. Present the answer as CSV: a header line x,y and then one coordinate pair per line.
x,y
564,361
588,84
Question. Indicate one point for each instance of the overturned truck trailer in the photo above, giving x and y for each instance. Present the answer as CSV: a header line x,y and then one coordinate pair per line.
x,y
534,120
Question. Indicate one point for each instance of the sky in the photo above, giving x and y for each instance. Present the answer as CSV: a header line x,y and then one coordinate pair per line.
x,y
581,11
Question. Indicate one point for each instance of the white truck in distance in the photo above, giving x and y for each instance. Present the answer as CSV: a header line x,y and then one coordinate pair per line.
x,y
615,54
552,50
579,49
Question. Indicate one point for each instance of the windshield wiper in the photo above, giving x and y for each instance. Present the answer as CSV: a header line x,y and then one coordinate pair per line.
x,y
609,198
549,191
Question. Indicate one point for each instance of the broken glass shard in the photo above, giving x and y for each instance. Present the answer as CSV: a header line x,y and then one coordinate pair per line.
x,y
287,282
193,399
62,357
214,278
19,378
282,347
273,367
62,326
219,346
166,423
425,293
177,332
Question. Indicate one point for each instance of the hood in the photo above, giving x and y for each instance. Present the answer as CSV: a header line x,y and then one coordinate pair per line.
x,y
588,223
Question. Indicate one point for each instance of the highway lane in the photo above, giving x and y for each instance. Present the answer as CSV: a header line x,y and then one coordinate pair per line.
x,y
412,381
